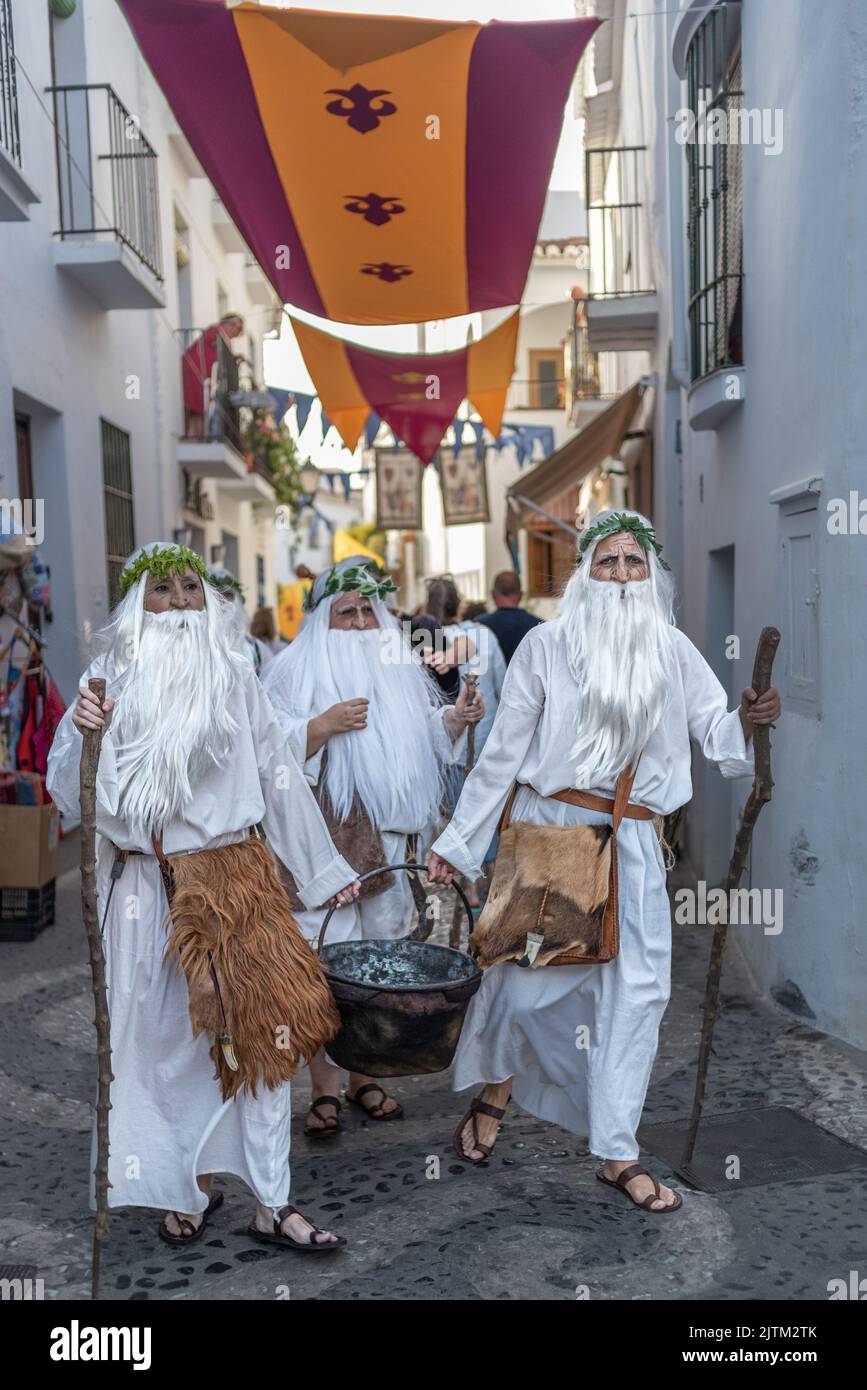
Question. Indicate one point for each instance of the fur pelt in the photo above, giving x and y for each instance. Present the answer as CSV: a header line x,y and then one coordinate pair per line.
x,y
228,907
551,879
357,839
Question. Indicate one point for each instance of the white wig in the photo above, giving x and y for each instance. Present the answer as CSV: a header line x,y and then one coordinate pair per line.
x,y
391,766
620,651
172,674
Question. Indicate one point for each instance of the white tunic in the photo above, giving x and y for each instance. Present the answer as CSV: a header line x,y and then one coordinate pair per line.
x,y
169,1122
386,916
580,1040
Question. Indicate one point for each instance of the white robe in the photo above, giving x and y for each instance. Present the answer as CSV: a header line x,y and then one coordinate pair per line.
x,y
169,1122
580,1040
388,915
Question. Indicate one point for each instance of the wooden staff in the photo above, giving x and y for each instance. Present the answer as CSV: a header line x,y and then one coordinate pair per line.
x,y
471,683
91,744
763,784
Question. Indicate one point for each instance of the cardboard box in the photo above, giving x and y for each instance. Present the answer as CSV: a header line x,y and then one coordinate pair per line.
x,y
28,845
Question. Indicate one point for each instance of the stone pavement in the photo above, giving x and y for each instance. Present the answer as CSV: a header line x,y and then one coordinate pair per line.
x,y
534,1224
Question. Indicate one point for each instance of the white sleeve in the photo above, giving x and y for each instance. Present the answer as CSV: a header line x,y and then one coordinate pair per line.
x,y
716,729
466,838
294,728
447,749
64,761
293,822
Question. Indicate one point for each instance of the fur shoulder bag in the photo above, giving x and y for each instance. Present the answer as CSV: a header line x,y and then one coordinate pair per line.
x,y
553,897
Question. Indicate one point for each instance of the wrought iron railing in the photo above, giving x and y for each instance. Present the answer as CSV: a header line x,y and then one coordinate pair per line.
x,y
210,374
615,221
106,171
582,365
10,135
715,194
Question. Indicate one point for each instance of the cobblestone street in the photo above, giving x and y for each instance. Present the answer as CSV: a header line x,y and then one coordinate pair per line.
x,y
533,1224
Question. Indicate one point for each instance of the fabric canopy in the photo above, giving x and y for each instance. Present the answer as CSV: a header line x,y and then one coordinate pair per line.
x,y
381,169
599,440
416,394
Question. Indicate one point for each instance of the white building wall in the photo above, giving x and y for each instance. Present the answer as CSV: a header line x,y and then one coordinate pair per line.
x,y
804,414
66,361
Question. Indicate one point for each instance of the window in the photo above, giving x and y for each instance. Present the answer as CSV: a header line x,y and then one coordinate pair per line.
x,y
260,581
800,644
546,376
550,561
117,494
230,552
713,74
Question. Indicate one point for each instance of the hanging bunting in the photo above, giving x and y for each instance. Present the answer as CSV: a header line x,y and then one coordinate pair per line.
x,y
416,394
371,162
303,404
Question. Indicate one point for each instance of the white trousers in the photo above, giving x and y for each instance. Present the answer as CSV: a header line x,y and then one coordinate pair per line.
x,y
580,1040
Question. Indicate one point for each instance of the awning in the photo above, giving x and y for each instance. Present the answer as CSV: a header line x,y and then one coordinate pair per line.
x,y
599,440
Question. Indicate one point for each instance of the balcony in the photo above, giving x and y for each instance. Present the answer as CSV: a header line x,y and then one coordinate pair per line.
x,y
217,393
16,194
110,236
623,309
227,233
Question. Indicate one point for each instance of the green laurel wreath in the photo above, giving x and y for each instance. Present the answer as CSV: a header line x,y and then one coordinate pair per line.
x,y
370,582
159,563
226,581
620,521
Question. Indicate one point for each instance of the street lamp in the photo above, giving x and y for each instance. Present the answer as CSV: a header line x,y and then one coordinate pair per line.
x,y
308,477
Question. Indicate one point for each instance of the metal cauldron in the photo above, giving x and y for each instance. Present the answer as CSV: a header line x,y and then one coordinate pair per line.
x,y
402,1003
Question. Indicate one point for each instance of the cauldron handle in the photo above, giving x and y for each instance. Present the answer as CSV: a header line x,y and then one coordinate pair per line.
x,y
388,868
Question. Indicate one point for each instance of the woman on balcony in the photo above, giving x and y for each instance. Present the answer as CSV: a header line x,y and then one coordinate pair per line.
x,y
197,365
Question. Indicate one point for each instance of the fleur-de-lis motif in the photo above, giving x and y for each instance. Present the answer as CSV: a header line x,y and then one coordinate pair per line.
x,y
362,115
374,207
384,270
413,378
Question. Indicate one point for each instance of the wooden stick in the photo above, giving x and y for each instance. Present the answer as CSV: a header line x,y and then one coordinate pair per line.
x,y
471,682
762,788
91,744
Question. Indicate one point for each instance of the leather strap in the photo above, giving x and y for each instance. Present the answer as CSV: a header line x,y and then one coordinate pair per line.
x,y
618,808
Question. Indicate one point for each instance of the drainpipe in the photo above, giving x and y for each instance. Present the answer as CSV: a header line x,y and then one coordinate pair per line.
x,y
679,368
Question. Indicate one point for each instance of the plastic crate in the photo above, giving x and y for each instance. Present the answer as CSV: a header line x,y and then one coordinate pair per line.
x,y
24,912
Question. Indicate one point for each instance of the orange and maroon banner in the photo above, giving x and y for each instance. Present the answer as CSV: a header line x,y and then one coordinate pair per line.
x,y
381,169
416,394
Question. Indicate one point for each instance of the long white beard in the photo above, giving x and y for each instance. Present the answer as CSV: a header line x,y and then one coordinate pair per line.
x,y
392,765
620,649
172,717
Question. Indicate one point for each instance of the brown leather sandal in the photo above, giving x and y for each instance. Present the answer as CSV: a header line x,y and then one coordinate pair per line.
x,y
331,1124
395,1114
311,1246
189,1233
477,1107
635,1170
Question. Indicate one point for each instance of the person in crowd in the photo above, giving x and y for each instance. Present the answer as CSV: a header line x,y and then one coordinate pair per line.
x,y
509,622
610,689
374,736
192,760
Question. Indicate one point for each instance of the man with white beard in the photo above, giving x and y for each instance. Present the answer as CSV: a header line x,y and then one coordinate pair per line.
x,y
608,685
372,734
192,760
229,589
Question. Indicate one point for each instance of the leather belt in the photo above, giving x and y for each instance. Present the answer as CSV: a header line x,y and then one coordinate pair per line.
x,y
602,803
